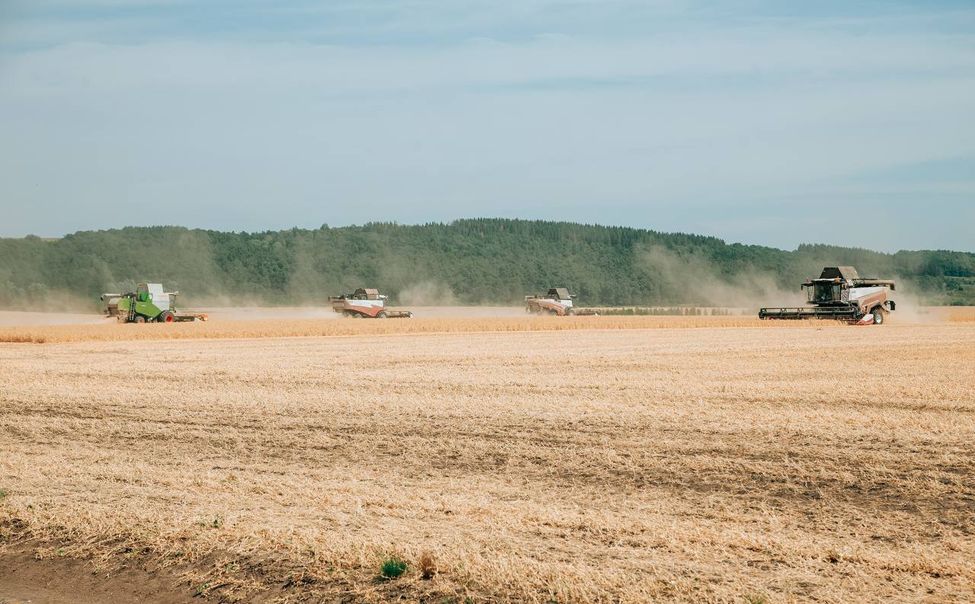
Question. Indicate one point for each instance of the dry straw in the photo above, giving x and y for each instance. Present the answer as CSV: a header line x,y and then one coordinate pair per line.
x,y
582,465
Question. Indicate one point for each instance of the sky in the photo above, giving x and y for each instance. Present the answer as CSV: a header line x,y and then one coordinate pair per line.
x,y
763,122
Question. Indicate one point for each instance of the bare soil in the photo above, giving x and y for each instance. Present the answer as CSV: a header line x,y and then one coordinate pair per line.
x,y
27,577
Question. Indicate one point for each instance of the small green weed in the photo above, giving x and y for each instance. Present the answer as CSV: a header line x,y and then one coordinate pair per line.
x,y
392,568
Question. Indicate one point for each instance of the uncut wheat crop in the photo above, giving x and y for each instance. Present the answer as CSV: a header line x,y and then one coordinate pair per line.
x,y
112,331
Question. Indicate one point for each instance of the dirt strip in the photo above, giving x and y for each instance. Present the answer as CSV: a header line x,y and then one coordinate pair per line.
x,y
26,577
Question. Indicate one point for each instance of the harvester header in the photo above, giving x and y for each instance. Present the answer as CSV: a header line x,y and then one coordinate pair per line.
x,y
556,301
840,293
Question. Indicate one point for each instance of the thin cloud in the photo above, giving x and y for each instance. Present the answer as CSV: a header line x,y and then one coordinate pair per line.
x,y
665,128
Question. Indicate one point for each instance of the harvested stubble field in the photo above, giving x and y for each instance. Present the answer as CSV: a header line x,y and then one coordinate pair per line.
x,y
804,463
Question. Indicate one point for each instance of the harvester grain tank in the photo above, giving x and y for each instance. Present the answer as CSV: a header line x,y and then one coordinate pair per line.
x,y
149,303
841,294
366,303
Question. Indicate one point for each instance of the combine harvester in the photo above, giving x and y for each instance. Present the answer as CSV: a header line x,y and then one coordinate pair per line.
x,y
840,294
557,301
366,303
148,304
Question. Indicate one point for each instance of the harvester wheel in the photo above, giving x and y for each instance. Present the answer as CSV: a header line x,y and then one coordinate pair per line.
x,y
140,319
166,316
381,315
878,316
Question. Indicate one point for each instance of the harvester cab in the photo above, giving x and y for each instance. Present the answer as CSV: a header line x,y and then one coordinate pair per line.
x,y
840,293
557,301
368,303
368,294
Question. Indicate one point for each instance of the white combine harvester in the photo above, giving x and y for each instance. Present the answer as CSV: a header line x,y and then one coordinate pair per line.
x,y
557,301
841,294
367,303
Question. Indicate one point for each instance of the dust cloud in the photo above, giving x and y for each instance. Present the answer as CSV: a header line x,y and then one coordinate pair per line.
x,y
427,293
699,282
910,305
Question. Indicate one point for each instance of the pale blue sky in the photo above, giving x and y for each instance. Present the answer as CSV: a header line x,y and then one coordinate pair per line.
x,y
753,121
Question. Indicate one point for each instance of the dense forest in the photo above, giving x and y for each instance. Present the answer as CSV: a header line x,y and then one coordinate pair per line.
x,y
465,262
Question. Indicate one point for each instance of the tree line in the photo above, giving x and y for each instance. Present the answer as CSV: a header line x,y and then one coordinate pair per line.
x,y
467,261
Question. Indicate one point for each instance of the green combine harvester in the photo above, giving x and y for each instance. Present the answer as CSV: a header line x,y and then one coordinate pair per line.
x,y
148,304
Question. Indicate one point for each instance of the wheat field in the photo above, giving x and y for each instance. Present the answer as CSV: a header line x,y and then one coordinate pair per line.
x,y
290,328
635,461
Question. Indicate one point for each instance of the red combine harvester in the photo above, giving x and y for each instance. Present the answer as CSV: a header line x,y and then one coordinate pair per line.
x,y
840,294
366,303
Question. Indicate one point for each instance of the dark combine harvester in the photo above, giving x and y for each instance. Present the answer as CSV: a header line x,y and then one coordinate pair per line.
x,y
840,294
